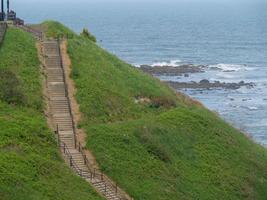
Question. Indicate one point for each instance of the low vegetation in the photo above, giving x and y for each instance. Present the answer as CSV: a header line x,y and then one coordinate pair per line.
x,y
111,89
20,68
30,163
54,29
86,34
10,88
157,144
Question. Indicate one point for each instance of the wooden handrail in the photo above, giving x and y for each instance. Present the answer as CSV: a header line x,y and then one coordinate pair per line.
x,y
67,94
92,173
3,28
72,163
37,34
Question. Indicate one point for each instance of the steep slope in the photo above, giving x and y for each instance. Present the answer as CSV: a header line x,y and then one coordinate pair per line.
x,y
154,143
30,164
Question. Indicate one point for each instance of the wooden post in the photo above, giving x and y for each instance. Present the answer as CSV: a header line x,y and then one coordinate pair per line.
x,y
105,188
64,148
79,147
71,164
58,139
85,160
57,129
116,188
75,141
101,176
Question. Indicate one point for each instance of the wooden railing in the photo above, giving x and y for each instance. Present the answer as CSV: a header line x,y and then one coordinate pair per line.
x,y
93,172
3,28
100,175
94,175
67,95
37,34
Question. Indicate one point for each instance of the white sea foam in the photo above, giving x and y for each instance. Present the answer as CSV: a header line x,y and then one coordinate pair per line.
x,y
231,67
253,108
172,63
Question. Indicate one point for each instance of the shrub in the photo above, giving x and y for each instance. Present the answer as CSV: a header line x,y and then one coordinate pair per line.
x,y
86,34
163,101
188,101
10,89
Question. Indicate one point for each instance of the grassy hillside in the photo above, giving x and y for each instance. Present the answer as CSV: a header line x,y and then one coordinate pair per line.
x,y
22,60
30,164
155,143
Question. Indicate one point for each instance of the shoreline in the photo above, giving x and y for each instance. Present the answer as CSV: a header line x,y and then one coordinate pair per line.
x,y
225,98
186,70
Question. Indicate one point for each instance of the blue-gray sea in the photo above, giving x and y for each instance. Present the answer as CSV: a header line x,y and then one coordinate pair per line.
x,y
229,35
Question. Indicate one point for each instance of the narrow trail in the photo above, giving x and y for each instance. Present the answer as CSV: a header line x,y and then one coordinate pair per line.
x,y
63,112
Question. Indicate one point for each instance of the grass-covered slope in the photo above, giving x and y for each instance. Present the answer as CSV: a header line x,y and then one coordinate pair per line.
x,y
154,143
18,57
30,163
109,90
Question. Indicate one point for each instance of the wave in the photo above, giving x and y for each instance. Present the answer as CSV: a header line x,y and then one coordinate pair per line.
x,y
172,63
230,67
137,65
251,108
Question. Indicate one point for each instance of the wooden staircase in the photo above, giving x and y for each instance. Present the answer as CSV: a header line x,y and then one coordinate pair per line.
x,y
61,114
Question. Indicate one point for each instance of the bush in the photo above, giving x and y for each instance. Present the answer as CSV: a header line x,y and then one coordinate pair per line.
x,y
10,89
86,34
165,102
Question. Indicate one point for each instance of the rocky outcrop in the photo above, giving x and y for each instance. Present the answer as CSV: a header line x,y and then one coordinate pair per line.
x,y
205,84
172,71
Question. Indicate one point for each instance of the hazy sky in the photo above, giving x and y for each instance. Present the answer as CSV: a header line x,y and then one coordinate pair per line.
x,y
135,1
19,3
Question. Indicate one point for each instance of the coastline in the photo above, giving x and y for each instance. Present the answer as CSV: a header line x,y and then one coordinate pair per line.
x,y
196,81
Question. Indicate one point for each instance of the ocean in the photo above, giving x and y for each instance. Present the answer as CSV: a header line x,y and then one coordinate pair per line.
x,y
228,35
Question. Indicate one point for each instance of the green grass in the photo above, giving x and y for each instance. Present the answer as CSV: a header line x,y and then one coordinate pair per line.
x,y
109,88
56,30
30,164
31,167
166,147
18,55
207,159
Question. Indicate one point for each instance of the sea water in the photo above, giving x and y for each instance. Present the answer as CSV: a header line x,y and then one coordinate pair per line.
x,y
228,35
